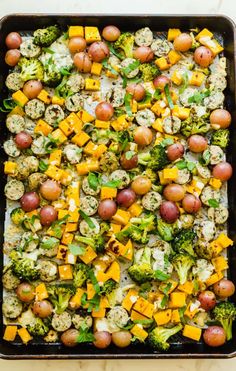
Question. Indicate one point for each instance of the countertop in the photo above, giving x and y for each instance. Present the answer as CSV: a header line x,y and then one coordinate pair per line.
x,y
226,7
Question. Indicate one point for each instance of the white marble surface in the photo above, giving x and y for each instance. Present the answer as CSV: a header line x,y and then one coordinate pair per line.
x,y
227,7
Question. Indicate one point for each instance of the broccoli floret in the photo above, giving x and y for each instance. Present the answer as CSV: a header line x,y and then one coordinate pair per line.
x,y
159,335
149,71
220,138
166,230
80,274
125,42
52,78
17,216
141,271
46,36
59,295
104,227
97,242
225,313
23,268
194,125
182,264
149,173
108,287
37,328
184,242
138,230
156,159
31,69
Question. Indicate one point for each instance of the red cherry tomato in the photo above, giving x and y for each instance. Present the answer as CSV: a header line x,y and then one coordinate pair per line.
x,y
169,211
102,339
174,192
106,209
129,162
222,171
144,54
126,197
175,151
160,82
23,140
203,56
143,136
197,143
30,201
12,57
48,215
104,111
13,40
98,51
207,299
191,203
137,91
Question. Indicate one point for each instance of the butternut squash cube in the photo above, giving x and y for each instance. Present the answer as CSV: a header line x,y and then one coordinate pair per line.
x,y
135,316
20,98
192,332
197,78
43,128
65,272
108,192
204,33
59,136
139,332
181,112
175,317
187,287
173,33
176,78
81,139
158,125
224,240
41,292
92,84
54,172
55,157
71,227
58,100
177,299
174,57
130,299
10,168
44,96
220,263
24,335
162,63
114,271
66,127
88,256
17,110
90,291
163,317
135,209
62,252
102,124
215,277
75,301
96,69
76,31
67,238
101,148
10,333
215,183
74,121
85,116
121,217
100,313
92,34
170,174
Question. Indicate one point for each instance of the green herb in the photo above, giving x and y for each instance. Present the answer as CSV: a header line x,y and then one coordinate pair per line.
x,y
119,111
43,166
213,203
168,96
65,35
198,97
145,288
87,219
48,50
76,249
129,155
51,144
128,98
49,243
147,98
157,94
181,313
127,81
85,336
65,71
112,184
161,276
8,105
93,303
166,288
56,226
181,164
131,67
94,281
191,166
185,83
144,322
205,159
114,51
166,142
93,181
164,301
109,67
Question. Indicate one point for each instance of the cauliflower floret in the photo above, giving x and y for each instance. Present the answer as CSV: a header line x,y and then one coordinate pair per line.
x,y
203,270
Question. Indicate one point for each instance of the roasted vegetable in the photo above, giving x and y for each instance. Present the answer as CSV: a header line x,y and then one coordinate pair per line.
x,y
225,313
31,69
46,36
125,42
159,336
